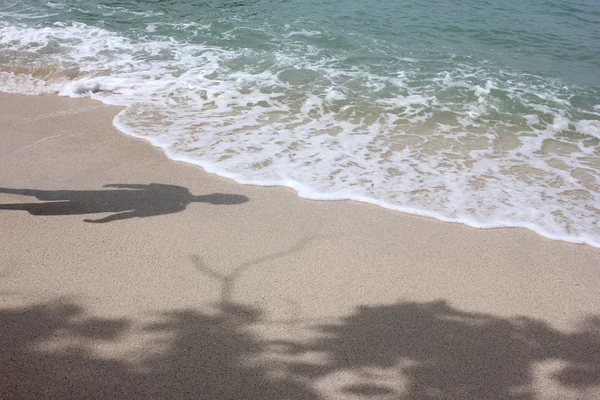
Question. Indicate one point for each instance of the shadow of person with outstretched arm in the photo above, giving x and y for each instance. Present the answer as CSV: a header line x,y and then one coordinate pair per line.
x,y
123,200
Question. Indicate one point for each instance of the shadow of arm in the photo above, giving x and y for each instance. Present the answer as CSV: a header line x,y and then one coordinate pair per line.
x,y
114,217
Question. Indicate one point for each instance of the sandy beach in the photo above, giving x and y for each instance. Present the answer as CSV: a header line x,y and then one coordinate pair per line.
x,y
124,275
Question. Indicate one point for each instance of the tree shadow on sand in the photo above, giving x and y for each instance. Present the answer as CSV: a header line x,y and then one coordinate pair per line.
x,y
406,350
445,353
48,351
191,355
123,200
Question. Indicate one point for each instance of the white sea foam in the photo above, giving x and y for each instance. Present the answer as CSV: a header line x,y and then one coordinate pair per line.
x,y
26,84
589,127
467,144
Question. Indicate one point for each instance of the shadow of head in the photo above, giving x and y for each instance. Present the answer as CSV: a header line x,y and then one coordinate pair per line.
x,y
221,199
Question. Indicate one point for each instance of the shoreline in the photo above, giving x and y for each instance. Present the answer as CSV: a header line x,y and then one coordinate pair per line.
x,y
304,192
308,193
262,261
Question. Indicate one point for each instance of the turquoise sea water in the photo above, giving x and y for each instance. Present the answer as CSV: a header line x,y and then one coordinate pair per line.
x,y
473,111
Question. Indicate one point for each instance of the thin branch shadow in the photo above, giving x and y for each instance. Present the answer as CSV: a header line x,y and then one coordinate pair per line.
x,y
228,281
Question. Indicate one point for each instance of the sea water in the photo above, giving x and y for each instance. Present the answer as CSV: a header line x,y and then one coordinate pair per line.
x,y
480,112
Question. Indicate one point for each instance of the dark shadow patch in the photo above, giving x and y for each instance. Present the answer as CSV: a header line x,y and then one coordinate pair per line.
x,y
199,357
443,352
439,351
123,200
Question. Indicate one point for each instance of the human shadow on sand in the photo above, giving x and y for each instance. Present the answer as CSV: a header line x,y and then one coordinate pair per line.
x,y
123,200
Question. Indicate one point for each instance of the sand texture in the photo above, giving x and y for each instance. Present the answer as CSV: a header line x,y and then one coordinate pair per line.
x,y
124,275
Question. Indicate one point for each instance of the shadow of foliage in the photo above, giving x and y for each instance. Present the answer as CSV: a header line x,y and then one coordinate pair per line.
x,y
50,351
445,353
200,357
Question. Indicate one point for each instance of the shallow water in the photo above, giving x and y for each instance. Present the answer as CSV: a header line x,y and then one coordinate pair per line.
x,y
474,112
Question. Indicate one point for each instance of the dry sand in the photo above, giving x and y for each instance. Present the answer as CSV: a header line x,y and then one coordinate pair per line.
x,y
254,293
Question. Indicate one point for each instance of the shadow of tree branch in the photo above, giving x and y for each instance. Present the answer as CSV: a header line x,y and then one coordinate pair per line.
x,y
446,353
49,350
